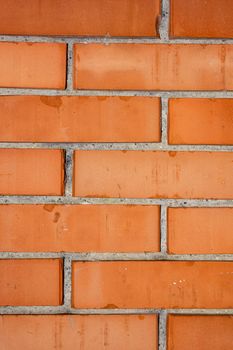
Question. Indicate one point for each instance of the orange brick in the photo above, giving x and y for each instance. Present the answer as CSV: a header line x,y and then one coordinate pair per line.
x,y
33,65
153,67
31,172
43,332
200,332
139,174
201,121
82,17
78,228
30,282
79,119
200,230
197,18
152,284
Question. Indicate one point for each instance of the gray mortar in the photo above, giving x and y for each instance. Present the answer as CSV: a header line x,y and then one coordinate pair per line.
x,y
66,308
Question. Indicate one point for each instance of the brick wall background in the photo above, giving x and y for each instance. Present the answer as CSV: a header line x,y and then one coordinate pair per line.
x,y
116,169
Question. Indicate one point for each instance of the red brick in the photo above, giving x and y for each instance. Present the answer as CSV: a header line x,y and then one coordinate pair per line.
x,y
30,282
31,172
82,17
153,67
43,332
198,18
79,119
200,332
79,228
201,121
32,65
139,174
152,284
200,230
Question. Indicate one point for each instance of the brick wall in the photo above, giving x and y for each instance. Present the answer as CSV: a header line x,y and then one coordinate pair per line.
x,y
116,175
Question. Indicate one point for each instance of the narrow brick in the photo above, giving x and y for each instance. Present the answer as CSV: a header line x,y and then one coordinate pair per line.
x,y
148,174
79,119
79,228
152,284
198,18
30,282
32,65
200,332
201,121
43,332
31,172
82,17
153,67
200,230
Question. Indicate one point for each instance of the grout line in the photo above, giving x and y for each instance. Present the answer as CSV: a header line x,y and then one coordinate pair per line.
x,y
163,229
29,310
164,24
111,146
176,203
67,281
146,93
120,40
109,256
69,85
164,121
68,172
163,330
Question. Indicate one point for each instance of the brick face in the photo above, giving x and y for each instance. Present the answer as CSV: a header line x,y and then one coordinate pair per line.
x,y
138,174
23,172
79,119
98,228
200,332
126,332
33,65
153,67
200,230
201,121
30,282
197,18
82,17
116,163
152,284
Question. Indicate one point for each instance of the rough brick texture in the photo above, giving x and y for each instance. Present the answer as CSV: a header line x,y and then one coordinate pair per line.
x,y
116,173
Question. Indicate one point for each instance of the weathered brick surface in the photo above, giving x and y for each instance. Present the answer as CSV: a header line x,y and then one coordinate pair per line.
x,y
31,172
139,174
77,228
116,168
82,17
33,65
152,284
126,332
31,282
200,332
153,67
79,119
